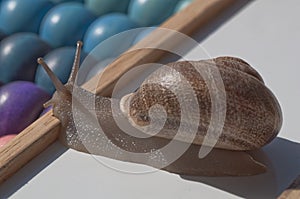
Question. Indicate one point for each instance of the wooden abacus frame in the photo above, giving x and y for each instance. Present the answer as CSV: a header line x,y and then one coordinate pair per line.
x,y
44,131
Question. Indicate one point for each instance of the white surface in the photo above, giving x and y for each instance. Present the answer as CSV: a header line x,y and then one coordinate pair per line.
x,y
266,33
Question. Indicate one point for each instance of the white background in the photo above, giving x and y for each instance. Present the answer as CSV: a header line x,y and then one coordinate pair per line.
x,y
266,33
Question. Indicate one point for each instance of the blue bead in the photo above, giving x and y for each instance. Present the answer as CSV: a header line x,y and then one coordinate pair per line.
x,y
2,35
99,67
65,24
63,1
18,54
22,16
100,7
104,28
151,12
182,4
60,61
143,32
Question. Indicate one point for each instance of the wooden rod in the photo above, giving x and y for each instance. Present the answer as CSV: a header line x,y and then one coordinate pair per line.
x,y
28,144
39,135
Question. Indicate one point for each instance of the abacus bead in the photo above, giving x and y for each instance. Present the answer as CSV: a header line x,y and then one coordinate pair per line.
x,y
45,110
21,103
63,1
182,4
144,32
105,27
99,67
65,24
151,12
23,16
6,138
100,7
18,54
2,35
60,61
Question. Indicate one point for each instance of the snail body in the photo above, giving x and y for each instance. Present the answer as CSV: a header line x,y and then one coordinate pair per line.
x,y
253,118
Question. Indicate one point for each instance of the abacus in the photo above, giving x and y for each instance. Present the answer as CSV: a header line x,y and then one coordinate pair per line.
x,y
44,131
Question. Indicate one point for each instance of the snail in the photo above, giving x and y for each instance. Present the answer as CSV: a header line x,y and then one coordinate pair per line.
x,y
253,119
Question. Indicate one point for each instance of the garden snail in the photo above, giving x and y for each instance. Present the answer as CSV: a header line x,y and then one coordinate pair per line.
x,y
253,118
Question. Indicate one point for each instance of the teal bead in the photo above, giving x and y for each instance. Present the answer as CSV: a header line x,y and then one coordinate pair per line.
x,y
60,62
63,1
99,67
182,4
105,27
65,24
18,54
101,7
23,16
2,35
143,32
151,12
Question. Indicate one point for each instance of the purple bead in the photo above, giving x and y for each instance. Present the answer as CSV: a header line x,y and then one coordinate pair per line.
x,y
21,103
46,110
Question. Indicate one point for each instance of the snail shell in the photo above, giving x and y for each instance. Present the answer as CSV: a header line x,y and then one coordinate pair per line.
x,y
253,117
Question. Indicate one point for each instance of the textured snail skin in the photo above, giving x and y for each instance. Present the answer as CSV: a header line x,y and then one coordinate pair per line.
x,y
253,119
